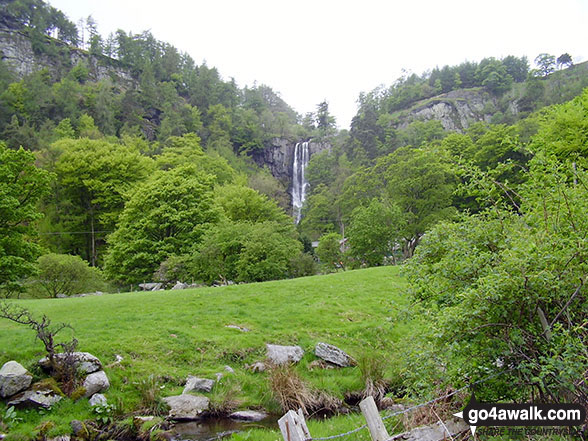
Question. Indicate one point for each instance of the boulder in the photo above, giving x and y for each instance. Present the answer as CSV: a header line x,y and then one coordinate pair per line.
x,y
96,382
332,354
195,384
97,400
84,361
37,398
13,379
248,415
278,354
150,286
186,407
180,285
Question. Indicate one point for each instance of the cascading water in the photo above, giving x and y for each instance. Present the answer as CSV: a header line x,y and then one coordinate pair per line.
x,y
299,183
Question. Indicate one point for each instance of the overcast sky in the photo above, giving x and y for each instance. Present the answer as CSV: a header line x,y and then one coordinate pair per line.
x,y
311,50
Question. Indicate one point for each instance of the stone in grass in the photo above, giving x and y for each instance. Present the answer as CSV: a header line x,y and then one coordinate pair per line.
x,y
97,400
35,398
332,354
96,382
14,378
248,415
195,384
186,407
84,361
278,354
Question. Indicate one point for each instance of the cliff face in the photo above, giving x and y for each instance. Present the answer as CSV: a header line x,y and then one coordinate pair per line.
x,y
456,110
16,50
278,156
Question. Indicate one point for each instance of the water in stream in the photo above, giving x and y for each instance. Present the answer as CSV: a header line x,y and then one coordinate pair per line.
x,y
218,428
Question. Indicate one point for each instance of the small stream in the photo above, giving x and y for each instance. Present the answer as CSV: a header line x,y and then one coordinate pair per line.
x,y
218,428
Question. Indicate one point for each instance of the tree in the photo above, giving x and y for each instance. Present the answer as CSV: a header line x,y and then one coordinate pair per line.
x,y
325,122
329,251
68,275
564,60
374,232
244,204
22,185
93,178
545,64
165,215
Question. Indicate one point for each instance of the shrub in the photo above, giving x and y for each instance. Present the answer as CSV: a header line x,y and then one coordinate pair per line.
x,y
65,274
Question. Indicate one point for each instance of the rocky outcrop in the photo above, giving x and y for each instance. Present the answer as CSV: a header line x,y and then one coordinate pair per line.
x,y
14,378
278,157
332,354
456,110
277,354
17,52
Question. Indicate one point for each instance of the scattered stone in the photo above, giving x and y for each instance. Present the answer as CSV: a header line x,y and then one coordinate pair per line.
x,y
435,432
332,354
229,369
14,378
258,366
195,384
248,415
84,361
186,407
240,328
60,438
96,382
79,429
150,286
180,285
319,364
219,376
97,400
61,296
278,354
37,398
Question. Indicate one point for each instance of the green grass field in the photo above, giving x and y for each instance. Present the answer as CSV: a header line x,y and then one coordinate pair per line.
x,y
172,334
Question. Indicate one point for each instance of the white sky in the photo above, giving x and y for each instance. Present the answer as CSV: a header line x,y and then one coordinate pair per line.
x,y
311,50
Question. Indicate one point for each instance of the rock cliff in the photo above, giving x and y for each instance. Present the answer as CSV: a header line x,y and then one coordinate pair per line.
x,y
16,50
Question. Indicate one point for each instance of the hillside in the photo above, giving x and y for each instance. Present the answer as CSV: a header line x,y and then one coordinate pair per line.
x,y
172,334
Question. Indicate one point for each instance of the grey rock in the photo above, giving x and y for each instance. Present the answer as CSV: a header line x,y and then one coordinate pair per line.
x,y
96,382
240,328
60,438
180,285
277,354
14,378
332,354
195,384
229,369
38,398
258,366
61,296
186,407
84,361
150,286
248,415
78,428
98,400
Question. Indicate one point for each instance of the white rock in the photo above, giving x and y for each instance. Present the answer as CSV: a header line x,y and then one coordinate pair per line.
x,y
195,384
97,400
96,382
278,354
332,354
14,378
186,407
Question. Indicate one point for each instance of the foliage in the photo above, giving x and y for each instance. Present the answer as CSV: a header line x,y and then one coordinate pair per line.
x,y
22,185
374,231
166,215
65,274
329,251
244,204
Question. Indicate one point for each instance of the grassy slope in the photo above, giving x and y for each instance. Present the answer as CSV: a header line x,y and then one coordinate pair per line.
x,y
175,333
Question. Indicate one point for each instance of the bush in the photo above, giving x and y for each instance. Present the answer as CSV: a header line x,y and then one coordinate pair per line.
x,y
65,274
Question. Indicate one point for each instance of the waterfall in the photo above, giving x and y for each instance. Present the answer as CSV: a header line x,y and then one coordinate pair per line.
x,y
301,157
